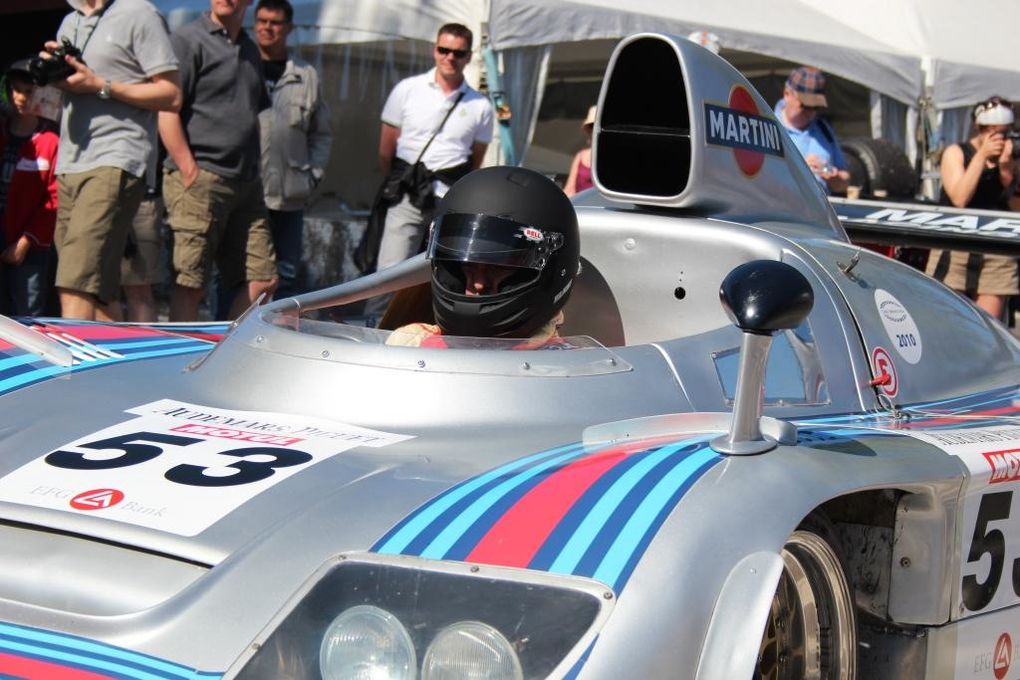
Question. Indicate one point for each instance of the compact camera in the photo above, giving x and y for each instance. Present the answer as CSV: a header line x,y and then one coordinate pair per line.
x,y
45,71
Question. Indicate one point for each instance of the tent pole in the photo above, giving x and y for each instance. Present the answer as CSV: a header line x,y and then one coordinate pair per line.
x,y
500,104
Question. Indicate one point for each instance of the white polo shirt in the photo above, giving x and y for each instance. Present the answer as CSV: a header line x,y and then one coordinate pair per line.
x,y
417,106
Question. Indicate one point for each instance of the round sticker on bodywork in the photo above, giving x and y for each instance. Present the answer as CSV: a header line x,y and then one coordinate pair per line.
x,y
899,326
884,369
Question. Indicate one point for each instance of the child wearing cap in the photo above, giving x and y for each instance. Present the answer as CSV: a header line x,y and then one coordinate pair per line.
x,y
28,196
980,173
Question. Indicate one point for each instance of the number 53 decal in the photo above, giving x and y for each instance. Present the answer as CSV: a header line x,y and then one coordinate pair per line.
x,y
978,594
257,462
165,460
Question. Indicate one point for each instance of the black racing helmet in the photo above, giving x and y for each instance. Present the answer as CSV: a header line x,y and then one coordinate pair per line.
x,y
509,217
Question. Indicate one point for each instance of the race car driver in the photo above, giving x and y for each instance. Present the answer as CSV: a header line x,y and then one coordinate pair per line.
x,y
504,251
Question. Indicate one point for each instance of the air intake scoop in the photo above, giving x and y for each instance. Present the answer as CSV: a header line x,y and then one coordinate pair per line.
x,y
679,127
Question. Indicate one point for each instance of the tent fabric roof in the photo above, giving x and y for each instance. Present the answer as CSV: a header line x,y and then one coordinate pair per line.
x,y
971,46
788,29
968,49
350,21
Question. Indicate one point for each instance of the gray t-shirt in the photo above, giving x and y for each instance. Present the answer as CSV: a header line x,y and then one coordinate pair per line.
x,y
223,90
128,43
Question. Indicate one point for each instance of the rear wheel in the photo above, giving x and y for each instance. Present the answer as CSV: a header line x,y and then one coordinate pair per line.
x,y
880,168
811,633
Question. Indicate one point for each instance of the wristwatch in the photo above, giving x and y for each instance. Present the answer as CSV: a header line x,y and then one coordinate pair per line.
x,y
104,92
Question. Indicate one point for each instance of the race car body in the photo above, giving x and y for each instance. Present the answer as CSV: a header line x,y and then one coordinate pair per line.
x,y
762,452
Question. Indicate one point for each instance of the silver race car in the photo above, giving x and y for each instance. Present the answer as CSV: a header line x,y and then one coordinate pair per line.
x,y
760,452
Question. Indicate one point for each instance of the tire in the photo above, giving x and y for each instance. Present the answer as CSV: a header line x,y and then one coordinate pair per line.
x,y
877,166
811,633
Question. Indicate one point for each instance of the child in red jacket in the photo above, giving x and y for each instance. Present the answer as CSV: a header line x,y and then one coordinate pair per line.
x,y
28,196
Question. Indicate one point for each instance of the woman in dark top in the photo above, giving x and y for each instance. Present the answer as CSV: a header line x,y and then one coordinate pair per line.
x,y
980,173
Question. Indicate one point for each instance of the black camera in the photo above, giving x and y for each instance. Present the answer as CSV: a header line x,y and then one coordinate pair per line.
x,y
45,71
1014,135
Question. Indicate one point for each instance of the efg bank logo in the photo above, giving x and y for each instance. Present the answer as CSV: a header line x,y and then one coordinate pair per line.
x,y
97,499
1002,658
739,126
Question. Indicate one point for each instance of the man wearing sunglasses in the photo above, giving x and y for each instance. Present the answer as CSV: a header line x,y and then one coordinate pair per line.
x,y
803,96
416,129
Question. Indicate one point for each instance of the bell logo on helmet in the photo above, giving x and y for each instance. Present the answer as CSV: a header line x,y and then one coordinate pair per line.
x,y
532,234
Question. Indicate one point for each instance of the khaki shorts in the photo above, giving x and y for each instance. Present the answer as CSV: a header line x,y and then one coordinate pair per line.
x,y
220,219
142,266
982,275
94,213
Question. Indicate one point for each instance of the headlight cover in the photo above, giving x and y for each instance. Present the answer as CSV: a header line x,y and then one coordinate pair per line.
x,y
367,642
545,621
471,650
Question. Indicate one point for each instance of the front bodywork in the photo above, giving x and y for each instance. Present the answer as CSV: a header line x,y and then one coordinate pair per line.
x,y
171,508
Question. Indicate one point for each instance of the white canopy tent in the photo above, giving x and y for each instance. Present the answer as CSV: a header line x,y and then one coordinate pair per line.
x,y
968,49
320,22
904,50
789,29
940,56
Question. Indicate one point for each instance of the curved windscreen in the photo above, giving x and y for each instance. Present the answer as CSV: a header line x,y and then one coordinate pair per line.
x,y
412,348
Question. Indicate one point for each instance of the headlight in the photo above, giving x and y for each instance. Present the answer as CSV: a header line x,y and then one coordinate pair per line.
x,y
400,618
471,650
367,643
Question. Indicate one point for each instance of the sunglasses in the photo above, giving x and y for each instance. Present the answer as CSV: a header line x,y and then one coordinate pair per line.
x,y
459,54
992,103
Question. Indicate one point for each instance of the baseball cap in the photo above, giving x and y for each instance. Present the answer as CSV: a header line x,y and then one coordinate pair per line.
x,y
20,68
809,85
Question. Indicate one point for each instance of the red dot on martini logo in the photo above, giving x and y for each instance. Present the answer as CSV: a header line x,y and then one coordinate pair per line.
x,y
748,161
97,499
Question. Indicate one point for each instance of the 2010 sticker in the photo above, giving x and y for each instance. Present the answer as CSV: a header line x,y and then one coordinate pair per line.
x,y
180,467
899,326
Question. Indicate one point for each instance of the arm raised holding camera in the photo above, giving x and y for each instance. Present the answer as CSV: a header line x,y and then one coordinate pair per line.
x,y
161,92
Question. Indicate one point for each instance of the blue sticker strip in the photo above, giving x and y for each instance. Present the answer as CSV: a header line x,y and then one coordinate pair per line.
x,y
19,368
603,533
82,654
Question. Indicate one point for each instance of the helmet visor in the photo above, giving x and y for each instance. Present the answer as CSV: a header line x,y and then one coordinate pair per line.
x,y
484,239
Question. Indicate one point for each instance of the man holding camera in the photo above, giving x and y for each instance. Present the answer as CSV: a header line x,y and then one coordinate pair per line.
x,y
117,68
438,120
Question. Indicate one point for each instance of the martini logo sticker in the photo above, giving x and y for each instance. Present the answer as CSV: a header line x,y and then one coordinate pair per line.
x,y
740,127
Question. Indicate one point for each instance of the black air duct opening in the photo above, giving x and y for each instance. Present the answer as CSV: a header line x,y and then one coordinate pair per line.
x,y
644,144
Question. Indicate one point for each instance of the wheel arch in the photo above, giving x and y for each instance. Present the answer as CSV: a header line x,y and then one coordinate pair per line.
x,y
874,529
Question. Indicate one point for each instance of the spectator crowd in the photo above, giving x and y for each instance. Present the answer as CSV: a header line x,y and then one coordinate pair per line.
x,y
223,136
